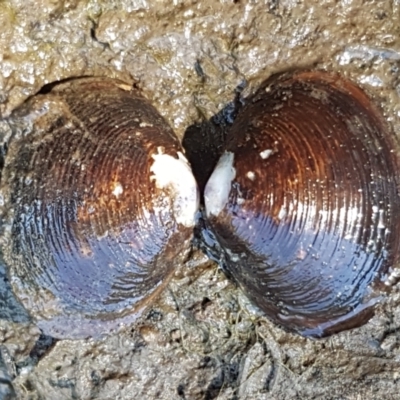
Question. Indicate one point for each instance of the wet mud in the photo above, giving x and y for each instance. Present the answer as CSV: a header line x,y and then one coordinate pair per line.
x,y
197,61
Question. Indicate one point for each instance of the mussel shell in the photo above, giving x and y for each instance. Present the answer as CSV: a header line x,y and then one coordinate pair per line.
x,y
304,202
95,219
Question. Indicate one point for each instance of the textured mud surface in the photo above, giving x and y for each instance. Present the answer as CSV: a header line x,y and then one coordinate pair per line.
x,y
196,61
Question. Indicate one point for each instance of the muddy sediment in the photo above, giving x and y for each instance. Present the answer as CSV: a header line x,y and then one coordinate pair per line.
x,y
197,61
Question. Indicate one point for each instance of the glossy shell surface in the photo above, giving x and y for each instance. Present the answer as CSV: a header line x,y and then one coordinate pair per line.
x,y
95,215
304,202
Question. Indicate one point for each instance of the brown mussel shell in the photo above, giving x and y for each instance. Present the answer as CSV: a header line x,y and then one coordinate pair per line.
x,y
304,202
95,218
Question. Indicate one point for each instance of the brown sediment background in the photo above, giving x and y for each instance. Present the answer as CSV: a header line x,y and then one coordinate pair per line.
x,y
194,60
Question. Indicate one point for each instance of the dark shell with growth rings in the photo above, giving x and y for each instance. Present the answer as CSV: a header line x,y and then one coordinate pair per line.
x,y
95,217
304,202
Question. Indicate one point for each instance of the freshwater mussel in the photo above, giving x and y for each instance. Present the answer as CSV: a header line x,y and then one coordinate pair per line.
x,y
98,205
304,203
